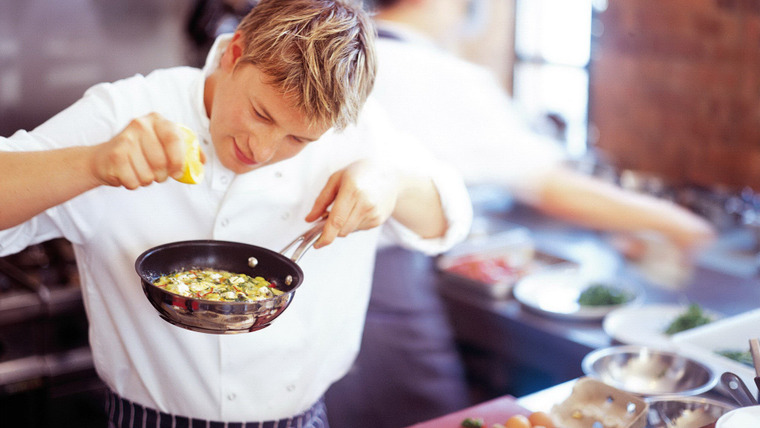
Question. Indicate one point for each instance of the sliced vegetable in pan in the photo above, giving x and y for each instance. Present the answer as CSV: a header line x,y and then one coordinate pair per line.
x,y
217,285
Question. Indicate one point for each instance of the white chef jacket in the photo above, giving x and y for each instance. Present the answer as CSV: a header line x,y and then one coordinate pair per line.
x,y
471,123
269,374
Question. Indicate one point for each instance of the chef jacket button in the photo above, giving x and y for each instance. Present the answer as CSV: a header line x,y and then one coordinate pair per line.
x,y
231,396
278,174
291,388
285,216
225,222
224,179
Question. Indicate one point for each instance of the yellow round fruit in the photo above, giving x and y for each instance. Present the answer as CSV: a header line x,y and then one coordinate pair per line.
x,y
192,170
541,419
517,421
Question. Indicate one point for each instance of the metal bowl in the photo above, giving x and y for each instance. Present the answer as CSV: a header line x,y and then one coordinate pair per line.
x,y
647,371
685,412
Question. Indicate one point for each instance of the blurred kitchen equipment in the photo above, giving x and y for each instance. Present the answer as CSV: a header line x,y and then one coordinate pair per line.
x,y
224,317
746,205
593,403
648,371
491,264
661,262
738,389
647,183
685,412
754,350
46,366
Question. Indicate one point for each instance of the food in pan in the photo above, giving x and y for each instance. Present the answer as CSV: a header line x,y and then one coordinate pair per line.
x,y
694,316
603,295
217,285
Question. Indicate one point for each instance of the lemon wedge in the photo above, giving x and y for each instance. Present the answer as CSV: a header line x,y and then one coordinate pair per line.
x,y
192,170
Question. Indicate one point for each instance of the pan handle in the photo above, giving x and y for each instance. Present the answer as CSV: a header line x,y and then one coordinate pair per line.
x,y
307,239
738,389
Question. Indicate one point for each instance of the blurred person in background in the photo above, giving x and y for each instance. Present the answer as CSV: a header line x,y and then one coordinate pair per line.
x,y
208,20
408,369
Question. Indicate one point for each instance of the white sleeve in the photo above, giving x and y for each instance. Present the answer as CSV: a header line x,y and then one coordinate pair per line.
x,y
406,151
88,121
374,136
457,208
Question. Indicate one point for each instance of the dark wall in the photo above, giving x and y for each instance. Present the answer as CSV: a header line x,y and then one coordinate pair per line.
x,y
52,51
675,89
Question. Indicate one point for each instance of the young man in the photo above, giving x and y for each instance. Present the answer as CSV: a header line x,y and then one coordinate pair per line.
x,y
277,108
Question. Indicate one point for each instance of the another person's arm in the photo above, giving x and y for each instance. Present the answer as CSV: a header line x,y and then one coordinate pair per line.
x,y
593,203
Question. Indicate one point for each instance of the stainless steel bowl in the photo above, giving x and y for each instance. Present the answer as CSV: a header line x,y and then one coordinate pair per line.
x,y
648,371
684,412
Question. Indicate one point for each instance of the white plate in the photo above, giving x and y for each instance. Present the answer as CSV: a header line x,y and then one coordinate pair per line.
x,y
644,325
555,292
740,418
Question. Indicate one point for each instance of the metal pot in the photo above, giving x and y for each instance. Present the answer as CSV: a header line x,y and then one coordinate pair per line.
x,y
224,317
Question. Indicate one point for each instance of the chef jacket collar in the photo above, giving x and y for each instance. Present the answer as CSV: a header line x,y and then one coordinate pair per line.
x,y
212,63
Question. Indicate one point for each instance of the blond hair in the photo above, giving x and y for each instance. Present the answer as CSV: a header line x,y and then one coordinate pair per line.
x,y
319,53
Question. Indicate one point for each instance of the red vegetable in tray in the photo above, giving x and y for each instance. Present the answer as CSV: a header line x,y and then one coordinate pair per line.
x,y
485,269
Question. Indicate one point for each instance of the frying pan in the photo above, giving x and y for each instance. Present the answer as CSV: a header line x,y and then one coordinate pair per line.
x,y
208,316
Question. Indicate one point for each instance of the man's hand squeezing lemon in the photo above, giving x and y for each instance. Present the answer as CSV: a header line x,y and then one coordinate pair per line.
x,y
192,170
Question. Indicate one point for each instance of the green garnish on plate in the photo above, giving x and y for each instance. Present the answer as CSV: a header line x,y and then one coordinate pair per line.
x,y
693,317
743,357
603,295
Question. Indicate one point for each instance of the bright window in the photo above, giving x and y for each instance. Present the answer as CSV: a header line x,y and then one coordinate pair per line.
x,y
552,49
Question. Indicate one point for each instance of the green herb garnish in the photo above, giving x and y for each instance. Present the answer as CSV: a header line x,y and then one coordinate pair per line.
x,y
744,357
473,423
603,295
693,317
